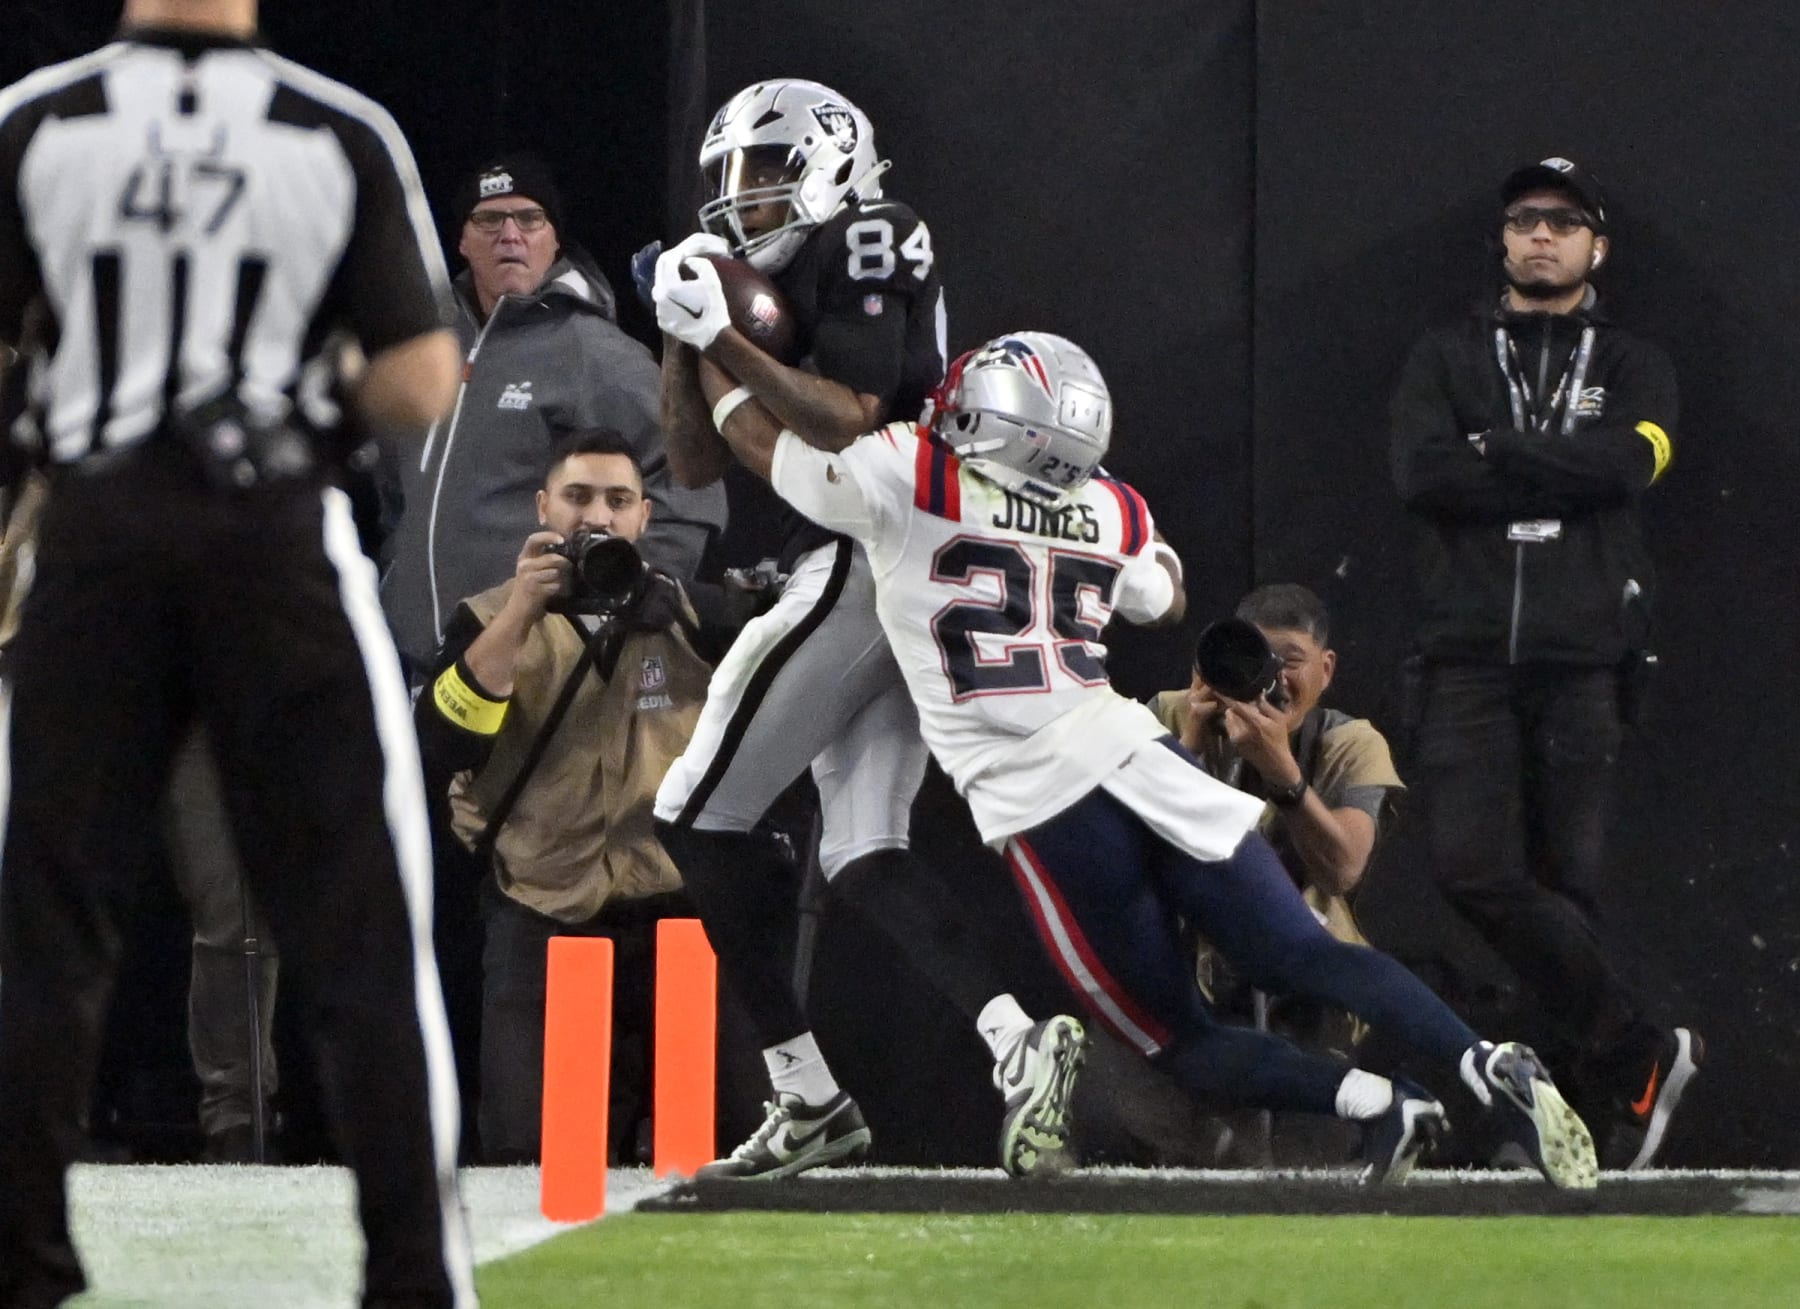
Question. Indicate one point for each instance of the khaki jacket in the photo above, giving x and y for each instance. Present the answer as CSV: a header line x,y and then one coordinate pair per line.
x,y
580,834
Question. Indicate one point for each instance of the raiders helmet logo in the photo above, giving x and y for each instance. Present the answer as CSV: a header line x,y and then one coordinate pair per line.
x,y
839,124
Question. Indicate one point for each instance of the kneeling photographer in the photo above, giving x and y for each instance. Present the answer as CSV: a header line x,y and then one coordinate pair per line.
x,y
1251,716
558,700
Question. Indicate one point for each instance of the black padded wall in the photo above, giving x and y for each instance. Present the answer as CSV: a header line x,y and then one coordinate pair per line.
x,y
1381,137
1081,175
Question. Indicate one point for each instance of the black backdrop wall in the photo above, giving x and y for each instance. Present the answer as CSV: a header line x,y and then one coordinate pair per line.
x,y
1247,211
1379,143
1094,177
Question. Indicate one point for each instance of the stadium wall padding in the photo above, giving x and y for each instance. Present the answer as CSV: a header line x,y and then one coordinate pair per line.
x,y
1247,211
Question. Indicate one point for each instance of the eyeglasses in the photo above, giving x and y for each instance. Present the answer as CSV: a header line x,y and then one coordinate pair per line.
x,y
1525,219
490,221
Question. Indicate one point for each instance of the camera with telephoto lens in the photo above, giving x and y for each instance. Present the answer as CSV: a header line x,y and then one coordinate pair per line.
x,y
1233,658
607,575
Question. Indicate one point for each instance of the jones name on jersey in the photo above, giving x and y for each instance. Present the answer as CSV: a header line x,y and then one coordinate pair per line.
x,y
995,608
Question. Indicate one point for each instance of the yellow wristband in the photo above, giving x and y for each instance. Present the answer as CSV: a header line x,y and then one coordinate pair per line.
x,y
1661,449
729,404
466,707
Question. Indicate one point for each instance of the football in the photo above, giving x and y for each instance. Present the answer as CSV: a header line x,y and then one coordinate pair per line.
x,y
758,309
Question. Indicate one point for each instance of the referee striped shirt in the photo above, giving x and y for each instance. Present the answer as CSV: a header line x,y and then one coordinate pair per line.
x,y
197,214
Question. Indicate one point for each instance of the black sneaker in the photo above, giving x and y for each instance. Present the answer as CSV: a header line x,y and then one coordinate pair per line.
x,y
1509,1080
1037,1077
1393,1142
1676,1061
794,1137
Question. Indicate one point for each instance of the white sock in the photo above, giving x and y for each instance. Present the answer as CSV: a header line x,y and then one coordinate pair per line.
x,y
1362,1096
1002,1024
798,1068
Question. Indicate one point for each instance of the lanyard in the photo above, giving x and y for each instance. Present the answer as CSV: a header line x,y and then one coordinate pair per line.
x,y
1523,396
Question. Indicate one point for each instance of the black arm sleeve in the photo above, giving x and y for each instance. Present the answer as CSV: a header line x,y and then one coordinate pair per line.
x,y
19,274
446,743
390,285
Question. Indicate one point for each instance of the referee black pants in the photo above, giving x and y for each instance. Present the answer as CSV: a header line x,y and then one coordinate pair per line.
x,y
156,599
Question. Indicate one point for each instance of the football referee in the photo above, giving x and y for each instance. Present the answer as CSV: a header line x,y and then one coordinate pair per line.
x,y
196,215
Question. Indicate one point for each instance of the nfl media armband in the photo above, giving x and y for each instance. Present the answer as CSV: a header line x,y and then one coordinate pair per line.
x,y
458,701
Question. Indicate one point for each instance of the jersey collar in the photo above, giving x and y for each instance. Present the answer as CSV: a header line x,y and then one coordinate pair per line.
x,y
189,41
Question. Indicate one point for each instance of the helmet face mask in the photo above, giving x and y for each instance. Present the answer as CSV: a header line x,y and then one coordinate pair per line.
x,y
1028,412
784,143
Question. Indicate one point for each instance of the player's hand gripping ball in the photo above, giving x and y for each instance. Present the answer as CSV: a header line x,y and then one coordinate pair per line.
x,y
757,308
690,303
699,289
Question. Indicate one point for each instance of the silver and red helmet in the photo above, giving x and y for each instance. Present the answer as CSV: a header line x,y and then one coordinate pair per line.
x,y
784,142
1028,411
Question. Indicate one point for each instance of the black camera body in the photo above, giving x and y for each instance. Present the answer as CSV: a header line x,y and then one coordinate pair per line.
x,y
1233,657
607,576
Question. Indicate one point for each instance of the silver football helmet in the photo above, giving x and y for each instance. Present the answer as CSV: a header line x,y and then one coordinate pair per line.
x,y
1029,412
782,157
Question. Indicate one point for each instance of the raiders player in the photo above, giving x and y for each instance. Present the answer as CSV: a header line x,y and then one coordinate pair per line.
x,y
1001,553
796,191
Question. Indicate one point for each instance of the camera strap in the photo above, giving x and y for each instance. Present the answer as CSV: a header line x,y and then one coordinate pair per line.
x,y
600,655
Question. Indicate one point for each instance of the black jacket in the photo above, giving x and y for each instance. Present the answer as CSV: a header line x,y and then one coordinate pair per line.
x,y
1491,594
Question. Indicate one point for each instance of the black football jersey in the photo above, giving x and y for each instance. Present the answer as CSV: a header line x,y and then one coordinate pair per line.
x,y
870,307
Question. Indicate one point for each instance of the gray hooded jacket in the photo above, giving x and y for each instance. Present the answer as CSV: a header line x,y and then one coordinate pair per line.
x,y
540,366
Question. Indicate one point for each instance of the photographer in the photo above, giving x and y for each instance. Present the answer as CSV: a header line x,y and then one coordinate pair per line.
x,y
557,701
1328,779
1327,776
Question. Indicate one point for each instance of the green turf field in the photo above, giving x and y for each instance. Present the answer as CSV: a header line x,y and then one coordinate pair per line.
x,y
1042,1261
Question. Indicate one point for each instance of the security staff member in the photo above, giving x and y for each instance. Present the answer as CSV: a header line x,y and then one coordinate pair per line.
x,y
196,215
1525,437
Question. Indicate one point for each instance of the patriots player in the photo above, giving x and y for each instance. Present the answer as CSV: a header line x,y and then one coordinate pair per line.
x,y
796,191
1000,552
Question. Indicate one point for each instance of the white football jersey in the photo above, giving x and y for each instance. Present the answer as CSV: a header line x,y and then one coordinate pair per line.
x,y
994,607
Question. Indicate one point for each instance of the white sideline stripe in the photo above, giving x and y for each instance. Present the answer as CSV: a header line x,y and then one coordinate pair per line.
x,y
1259,1176
158,1237
403,797
161,1237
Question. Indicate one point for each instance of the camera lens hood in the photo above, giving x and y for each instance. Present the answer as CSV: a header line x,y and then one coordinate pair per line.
x,y
1233,657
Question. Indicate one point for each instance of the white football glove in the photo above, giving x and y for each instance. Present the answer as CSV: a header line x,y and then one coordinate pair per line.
x,y
692,310
668,263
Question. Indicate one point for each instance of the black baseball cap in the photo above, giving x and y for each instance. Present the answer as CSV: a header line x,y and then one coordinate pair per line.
x,y
1557,174
521,174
